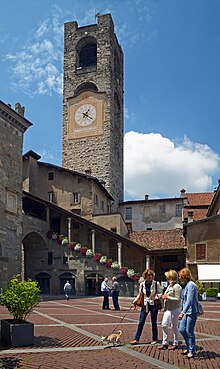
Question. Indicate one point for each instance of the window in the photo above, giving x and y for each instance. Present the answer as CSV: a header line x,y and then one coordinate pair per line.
x,y
50,258
50,176
65,260
88,55
179,210
51,197
96,201
102,205
162,209
128,213
200,251
11,201
75,198
108,209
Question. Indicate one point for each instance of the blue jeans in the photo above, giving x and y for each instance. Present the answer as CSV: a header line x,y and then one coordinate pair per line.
x,y
143,315
186,328
115,299
105,304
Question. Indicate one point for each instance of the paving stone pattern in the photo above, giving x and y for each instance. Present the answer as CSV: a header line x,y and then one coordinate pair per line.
x,y
68,336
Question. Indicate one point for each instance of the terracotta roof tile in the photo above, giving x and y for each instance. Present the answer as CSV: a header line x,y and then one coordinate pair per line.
x,y
159,239
198,203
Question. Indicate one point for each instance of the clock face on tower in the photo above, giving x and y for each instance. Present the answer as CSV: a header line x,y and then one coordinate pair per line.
x,y
85,115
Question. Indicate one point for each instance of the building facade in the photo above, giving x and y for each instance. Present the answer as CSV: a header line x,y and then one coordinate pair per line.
x,y
12,127
93,128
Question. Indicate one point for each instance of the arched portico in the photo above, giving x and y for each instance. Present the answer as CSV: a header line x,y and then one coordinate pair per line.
x,y
33,254
93,284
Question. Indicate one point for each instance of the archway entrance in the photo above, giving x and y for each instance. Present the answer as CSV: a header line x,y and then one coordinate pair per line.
x,y
43,280
93,284
34,255
64,277
126,286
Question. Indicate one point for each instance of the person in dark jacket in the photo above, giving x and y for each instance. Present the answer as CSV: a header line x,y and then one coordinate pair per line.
x,y
115,293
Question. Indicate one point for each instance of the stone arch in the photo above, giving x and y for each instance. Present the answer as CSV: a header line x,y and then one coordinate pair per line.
x,y
86,52
34,254
93,284
85,87
68,276
126,286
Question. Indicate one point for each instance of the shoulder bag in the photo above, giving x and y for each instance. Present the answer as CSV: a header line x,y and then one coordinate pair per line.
x,y
140,300
157,302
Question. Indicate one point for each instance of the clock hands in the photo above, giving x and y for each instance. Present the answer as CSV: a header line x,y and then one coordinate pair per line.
x,y
85,115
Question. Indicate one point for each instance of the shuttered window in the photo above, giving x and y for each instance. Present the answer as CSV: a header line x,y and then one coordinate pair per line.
x,y
200,251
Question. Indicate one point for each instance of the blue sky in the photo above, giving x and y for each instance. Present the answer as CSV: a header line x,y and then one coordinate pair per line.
x,y
172,84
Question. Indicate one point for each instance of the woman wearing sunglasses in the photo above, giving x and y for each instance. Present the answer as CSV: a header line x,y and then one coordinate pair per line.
x,y
152,291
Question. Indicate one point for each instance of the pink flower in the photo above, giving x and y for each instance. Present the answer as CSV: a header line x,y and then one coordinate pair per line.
x,y
108,263
72,245
123,270
83,250
97,257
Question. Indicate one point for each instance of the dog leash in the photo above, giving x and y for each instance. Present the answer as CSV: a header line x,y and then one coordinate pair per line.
x,y
122,319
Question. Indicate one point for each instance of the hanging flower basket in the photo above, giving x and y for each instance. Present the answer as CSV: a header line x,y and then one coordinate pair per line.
x,y
83,250
103,259
54,236
65,241
89,253
78,247
123,270
130,273
115,265
108,263
72,245
141,279
97,257
136,277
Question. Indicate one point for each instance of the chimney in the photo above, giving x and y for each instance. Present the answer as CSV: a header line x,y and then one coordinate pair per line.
x,y
19,109
190,216
146,197
182,193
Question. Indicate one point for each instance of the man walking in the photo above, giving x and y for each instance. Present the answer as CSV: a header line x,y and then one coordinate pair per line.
x,y
67,288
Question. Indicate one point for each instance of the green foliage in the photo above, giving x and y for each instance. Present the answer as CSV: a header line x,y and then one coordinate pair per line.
x,y
212,292
200,287
20,297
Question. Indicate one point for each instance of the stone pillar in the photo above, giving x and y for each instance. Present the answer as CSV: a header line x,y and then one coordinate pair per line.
x,y
48,215
93,240
147,261
119,253
69,229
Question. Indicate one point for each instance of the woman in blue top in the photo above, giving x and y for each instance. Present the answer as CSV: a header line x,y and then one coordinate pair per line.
x,y
190,311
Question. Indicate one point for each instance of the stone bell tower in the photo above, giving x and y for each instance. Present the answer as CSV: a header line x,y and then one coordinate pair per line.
x,y
93,123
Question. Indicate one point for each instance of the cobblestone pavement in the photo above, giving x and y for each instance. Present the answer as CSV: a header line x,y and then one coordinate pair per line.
x,y
68,336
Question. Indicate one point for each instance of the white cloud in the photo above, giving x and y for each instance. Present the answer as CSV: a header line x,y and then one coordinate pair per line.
x,y
36,67
156,166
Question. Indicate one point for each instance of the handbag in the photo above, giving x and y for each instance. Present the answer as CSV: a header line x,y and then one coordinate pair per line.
x,y
158,301
140,300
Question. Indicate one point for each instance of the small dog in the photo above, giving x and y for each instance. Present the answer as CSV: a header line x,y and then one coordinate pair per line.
x,y
112,338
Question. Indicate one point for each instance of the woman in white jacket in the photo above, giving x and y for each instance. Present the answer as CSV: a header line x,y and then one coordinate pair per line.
x,y
152,291
172,308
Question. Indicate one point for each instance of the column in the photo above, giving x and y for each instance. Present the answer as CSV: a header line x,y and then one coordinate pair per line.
x,y
69,229
119,253
93,240
147,261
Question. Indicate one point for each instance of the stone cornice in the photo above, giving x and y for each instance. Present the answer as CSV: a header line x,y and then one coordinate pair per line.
x,y
13,118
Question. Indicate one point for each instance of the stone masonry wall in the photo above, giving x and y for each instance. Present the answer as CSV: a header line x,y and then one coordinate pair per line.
x,y
102,154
